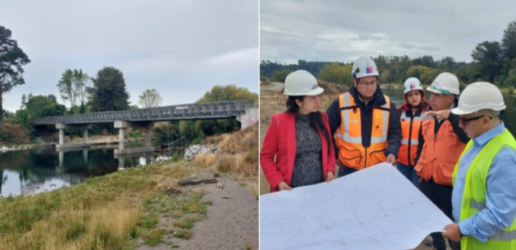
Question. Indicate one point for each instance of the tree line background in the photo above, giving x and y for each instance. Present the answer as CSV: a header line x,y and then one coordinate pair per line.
x,y
104,91
492,61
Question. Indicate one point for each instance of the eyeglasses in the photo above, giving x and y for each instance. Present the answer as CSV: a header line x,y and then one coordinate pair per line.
x,y
465,121
367,84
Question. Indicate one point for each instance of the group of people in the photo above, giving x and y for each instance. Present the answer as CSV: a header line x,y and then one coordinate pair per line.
x,y
454,148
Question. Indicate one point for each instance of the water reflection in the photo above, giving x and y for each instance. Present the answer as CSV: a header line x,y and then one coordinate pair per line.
x,y
46,169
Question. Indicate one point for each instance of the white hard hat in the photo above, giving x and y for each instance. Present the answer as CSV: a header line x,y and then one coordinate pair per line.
x,y
445,83
301,83
478,96
364,66
412,84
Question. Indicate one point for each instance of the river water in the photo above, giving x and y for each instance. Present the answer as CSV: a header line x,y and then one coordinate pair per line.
x,y
45,169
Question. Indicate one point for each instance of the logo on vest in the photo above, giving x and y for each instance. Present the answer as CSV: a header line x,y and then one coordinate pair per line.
x,y
353,121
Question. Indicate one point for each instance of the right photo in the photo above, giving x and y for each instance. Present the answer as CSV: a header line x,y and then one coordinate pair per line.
x,y
387,126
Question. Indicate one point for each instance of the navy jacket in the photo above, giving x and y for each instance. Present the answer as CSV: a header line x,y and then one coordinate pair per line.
x,y
366,114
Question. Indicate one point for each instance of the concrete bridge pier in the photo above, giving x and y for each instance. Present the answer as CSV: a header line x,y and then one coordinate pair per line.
x,y
85,134
121,163
61,127
250,117
122,126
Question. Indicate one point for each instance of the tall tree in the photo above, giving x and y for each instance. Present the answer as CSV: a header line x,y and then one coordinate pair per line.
x,y
509,41
487,56
12,58
65,86
81,82
150,98
109,92
446,63
23,101
72,85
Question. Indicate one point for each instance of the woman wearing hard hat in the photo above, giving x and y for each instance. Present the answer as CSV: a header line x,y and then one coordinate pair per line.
x,y
297,149
411,116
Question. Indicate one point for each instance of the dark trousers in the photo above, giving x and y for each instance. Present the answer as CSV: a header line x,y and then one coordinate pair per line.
x,y
343,170
440,195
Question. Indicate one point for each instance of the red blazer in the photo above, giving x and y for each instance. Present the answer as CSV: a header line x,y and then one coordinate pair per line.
x,y
280,142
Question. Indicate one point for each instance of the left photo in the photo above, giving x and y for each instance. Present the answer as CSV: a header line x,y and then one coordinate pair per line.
x,y
129,125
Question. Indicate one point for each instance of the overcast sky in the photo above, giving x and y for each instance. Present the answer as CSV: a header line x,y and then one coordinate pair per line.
x,y
179,47
334,30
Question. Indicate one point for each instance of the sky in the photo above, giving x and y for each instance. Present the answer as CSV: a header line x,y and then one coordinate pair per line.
x,y
335,30
182,48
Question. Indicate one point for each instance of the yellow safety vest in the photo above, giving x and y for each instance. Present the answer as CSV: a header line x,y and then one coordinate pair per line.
x,y
474,196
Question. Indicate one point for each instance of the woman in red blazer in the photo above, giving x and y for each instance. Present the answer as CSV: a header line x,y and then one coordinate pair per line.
x,y
297,149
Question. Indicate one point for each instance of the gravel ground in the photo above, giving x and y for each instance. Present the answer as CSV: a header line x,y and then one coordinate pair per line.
x,y
232,222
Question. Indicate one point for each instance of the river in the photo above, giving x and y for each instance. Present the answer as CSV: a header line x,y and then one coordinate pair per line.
x,y
45,169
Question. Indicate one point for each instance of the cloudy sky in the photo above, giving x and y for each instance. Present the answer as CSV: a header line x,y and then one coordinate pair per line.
x,y
334,30
179,47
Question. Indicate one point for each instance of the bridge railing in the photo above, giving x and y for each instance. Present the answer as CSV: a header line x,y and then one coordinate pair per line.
x,y
206,110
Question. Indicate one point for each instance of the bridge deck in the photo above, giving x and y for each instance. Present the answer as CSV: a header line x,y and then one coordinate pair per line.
x,y
207,110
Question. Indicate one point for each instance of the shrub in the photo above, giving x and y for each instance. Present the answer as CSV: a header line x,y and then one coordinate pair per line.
x,y
14,133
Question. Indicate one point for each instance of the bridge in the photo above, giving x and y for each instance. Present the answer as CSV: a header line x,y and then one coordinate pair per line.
x,y
243,111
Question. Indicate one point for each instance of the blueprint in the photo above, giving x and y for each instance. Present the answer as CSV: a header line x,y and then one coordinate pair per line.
x,y
373,209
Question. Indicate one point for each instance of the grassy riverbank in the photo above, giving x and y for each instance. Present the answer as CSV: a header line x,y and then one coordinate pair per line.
x,y
109,212
127,208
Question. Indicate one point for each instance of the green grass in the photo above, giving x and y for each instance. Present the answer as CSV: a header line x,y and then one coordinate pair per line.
x,y
185,209
154,237
182,234
248,245
135,134
186,223
105,212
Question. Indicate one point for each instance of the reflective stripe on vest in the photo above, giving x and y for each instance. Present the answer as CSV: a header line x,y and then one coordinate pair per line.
x,y
345,116
416,123
410,127
474,195
349,135
413,142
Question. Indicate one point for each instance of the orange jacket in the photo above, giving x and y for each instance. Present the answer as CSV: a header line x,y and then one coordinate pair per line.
x,y
440,152
349,134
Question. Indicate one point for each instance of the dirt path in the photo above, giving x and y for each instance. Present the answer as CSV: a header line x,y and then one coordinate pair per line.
x,y
232,221
273,87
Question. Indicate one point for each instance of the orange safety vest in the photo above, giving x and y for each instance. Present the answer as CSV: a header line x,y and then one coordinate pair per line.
x,y
440,153
349,135
409,141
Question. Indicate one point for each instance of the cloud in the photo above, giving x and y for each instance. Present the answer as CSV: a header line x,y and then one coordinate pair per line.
x,y
180,47
239,57
329,30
